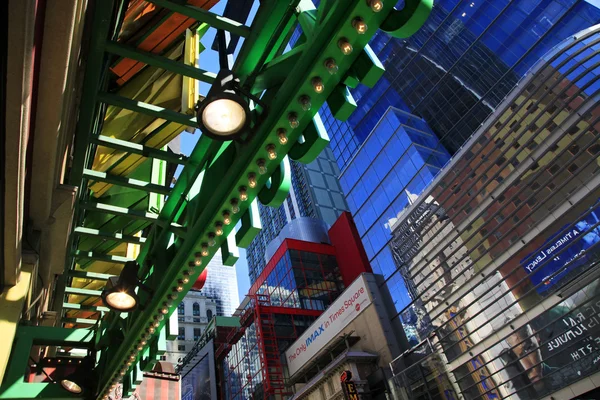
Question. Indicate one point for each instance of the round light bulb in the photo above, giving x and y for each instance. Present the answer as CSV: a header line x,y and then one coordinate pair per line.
x,y
282,135
122,373
360,25
140,347
235,207
252,179
262,166
71,386
376,5
243,193
224,117
179,288
226,218
150,329
331,66
120,300
293,119
191,270
128,364
317,84
345,46
198,259
271,149
211,239
186,277
304,101
219,226
204,249
132,357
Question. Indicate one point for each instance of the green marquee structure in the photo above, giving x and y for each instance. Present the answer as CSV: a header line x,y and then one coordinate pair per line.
x,y
126,209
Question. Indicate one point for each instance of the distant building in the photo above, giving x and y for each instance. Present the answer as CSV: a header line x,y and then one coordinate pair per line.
x,y
315,193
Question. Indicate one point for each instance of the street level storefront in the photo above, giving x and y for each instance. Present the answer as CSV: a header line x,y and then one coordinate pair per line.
x,y
353,337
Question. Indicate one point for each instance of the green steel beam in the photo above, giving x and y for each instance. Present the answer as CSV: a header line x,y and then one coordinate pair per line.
x,y
96,276
79,321
83,292
92,81
148,109
160,61
200,15
117,237
83,307
100,257
135,148
126,182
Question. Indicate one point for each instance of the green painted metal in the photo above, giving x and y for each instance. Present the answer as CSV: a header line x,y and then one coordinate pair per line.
x,y
201,15
315,140
368,68
125,182
117,237
145,108
89,275
276,190
76,306
135,148
80,321
214,173
160,61
341,103
250,227
229,250
406,22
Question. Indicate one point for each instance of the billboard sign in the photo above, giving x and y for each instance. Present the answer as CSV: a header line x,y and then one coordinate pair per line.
x,y
563,251
333,320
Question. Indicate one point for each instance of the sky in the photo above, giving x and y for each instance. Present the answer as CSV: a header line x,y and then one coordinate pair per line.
x,y
209,61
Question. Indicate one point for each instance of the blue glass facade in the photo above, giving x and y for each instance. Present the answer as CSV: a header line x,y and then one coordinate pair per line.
x,y
403,156
456,69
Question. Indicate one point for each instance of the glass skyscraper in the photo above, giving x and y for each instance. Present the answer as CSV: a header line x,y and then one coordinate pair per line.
x,y
458,67
315,193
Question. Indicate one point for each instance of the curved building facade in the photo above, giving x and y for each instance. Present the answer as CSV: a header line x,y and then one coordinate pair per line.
x,y
499,256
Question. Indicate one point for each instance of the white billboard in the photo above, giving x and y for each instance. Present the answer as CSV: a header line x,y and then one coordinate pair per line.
x,y
333,320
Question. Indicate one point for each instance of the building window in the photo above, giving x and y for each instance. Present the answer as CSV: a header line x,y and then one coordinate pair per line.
x,y
196,319
197,333
181,347
181,308
196,310
181,335
209,314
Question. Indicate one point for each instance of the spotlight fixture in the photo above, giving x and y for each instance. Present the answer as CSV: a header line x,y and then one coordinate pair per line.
x,y
272,151
376,5
119,293
243,193
226,217
262,166
293,119
282,135
317,84
331,66
79,381
345,46
225,113
252,179
304,101
235,207
360,25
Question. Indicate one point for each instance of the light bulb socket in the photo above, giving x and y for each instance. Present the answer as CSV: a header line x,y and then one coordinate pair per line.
x,y
243,193
317,84
235,208
252,179
272,151
359,24
304,101
282,136
345,46
226,217
376,5
331,66
293,120
262,166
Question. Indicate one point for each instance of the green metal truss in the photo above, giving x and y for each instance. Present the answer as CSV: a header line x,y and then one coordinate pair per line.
x,y
177,229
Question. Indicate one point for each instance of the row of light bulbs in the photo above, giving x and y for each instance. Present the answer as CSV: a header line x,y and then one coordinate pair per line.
x,y
305,102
